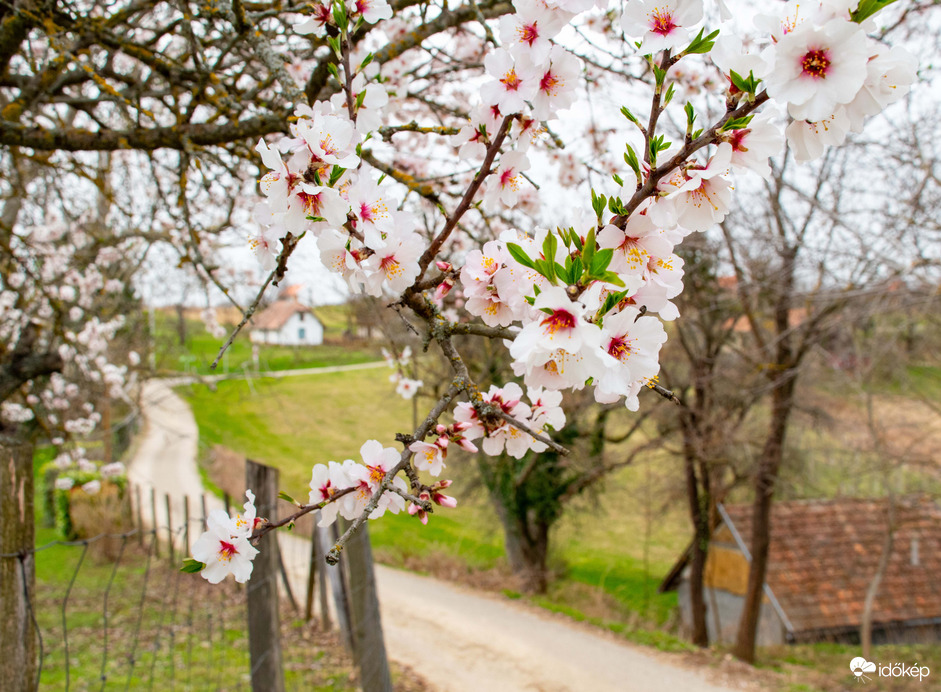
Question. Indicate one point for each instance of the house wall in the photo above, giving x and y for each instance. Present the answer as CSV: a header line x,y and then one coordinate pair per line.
x,y
723,611
290,333
725,582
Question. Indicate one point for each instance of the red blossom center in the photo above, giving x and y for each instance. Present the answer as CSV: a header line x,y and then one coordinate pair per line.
x,y
619,347
376,474
311,202
511,80
662,22
816,63
737,139
528,33
226,550
549,83
559,319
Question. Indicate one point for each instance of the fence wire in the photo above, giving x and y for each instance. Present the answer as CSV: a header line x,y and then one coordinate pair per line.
x,y
109,614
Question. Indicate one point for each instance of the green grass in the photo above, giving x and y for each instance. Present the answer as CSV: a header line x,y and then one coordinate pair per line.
x,y
200,349
296,422
155,627
823,667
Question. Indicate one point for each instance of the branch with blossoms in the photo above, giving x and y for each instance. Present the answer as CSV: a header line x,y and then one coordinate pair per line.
x,y
579,307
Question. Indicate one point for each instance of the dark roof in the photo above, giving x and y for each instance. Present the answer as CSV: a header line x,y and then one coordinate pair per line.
x,y
278,313
824,554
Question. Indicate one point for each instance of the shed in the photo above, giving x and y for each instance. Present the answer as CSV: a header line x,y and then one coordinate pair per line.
x,y
822,559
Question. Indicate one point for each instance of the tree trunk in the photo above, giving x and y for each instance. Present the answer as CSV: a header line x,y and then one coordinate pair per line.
x,y
17,574
527,549
696,491
782,402
180,324
865,627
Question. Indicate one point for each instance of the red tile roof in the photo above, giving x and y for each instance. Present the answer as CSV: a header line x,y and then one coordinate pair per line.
x,y
824,553
277,314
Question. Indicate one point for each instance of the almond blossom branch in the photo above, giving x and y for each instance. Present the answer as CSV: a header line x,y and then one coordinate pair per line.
x,y
333,555
555,446
304,509
289,242
468,198
649,187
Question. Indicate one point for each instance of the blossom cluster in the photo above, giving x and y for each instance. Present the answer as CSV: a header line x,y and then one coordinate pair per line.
x,y
61,276
347,488
580,306
225,549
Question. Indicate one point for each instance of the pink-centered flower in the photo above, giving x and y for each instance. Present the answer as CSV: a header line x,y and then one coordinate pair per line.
x,y
504,183
555,82
663,24
223,550
817,68
527,32
508,90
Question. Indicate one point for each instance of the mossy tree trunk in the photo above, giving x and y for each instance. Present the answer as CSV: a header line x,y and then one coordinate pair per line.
x,y
17,573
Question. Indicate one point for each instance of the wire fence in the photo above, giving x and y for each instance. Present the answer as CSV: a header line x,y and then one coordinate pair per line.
x,y
114,611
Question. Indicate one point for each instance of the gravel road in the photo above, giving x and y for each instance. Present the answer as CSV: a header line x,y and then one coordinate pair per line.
x,y
457,639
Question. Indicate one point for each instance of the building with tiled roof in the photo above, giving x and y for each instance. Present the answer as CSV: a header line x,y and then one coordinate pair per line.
x,y
822,559
286,322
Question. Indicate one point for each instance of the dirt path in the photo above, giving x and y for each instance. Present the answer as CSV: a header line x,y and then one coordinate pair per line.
x,y
457,639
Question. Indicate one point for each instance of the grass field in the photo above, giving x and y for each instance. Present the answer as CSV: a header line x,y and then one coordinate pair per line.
x,y
117,617
610,553
200,348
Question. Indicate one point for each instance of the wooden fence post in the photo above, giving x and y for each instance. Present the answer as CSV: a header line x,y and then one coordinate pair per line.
x,y
18,569
140,517
186,525
338,585
370,648
264,631
324,603
166,499
156,524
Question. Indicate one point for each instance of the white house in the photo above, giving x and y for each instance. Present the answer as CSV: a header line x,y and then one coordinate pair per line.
x,y
287,322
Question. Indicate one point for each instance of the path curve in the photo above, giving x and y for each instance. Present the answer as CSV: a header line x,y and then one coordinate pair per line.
x,y
457,639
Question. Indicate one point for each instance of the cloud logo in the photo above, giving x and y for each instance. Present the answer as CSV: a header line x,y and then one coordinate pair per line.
x,y
860,666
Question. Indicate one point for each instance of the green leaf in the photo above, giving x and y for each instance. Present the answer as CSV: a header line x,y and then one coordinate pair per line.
x,y
334,43
565,273
576,239
690,116
517,253
669,97
550,246
630,116
339,16
578,268
191,566
547,269
618,179
598,203
332,69
630,158
284,496
736,123
589,250
612,278
867,8
335,174
602,261
368,59
701,44
360,97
